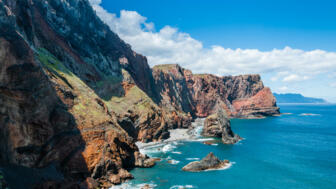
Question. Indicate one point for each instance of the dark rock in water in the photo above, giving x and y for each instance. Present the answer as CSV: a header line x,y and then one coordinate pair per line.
x,y
218,125
209,162
145,161
208,142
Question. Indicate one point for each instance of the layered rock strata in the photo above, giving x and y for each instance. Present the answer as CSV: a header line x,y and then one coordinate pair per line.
x,y
202,95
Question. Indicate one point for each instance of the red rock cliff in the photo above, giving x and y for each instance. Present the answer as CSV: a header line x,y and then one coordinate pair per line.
x,y
202,94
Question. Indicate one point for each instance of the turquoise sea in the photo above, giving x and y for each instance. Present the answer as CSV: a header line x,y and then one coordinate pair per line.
x,y
295,150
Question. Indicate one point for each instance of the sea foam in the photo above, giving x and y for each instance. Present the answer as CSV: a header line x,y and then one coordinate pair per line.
x,y
309,114
192,159
181,186
128,185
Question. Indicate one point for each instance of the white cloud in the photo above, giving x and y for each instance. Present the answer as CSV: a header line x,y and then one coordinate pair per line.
x,y
333,85
283,89
169,45
294,77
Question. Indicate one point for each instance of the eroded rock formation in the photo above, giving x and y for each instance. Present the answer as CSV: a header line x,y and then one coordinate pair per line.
x,y
218,125
241,96
208,162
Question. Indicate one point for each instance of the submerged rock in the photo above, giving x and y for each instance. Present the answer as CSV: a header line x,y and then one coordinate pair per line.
x,y
218,125
209,162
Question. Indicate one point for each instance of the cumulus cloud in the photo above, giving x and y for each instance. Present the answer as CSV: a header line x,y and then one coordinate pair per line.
x,y
294,77
169,45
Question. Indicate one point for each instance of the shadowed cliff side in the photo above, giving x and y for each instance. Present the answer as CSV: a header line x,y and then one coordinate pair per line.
x,y
63,77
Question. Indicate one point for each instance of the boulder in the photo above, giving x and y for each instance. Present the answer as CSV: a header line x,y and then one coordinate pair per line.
x,y
209,162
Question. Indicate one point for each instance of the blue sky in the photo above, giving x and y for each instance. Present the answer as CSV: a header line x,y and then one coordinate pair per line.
x,y
261,24
290,43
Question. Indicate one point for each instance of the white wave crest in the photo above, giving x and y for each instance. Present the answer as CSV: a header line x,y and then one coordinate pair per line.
x,y
134,186
182,186
192,159
173,161
168,148
223,168
309,114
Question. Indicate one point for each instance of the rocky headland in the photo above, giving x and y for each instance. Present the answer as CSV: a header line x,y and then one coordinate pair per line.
x,y
210,162
74,97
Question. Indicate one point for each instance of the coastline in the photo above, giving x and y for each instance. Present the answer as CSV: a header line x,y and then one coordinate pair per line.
x,y
176,135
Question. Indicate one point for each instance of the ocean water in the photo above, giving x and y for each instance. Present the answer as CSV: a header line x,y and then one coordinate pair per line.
x,y
296,150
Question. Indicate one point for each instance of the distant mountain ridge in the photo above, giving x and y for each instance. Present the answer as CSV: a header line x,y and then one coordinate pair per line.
x,y
296,98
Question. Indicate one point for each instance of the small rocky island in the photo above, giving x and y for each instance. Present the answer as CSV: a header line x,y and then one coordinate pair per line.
x,y
209,162
218,125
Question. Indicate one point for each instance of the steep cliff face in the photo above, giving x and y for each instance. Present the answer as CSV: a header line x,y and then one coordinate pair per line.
x,y
209,93
203,94
64,75
173,95
259,105
170,84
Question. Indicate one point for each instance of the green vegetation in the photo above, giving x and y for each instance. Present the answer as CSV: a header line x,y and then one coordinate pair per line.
x,y
49,60
201,75
85,103
135,99
164,67
109,80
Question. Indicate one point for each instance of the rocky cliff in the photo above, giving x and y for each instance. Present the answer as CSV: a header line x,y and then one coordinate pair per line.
x,y
74,97
71,95
202,95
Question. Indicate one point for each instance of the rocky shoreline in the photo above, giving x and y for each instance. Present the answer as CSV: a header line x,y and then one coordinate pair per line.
x,y
189,134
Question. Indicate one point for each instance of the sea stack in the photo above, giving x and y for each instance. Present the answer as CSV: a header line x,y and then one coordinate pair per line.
x,y
218,125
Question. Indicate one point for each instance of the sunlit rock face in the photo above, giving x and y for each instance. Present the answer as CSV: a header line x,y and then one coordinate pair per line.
x,y
203,94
